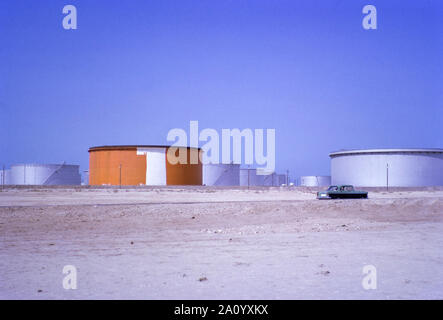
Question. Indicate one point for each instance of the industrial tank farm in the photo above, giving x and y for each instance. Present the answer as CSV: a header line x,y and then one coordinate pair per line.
x,y
141,165
388,167
44,174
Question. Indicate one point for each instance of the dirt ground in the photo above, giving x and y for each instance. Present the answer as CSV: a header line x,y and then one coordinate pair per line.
x,y
219,243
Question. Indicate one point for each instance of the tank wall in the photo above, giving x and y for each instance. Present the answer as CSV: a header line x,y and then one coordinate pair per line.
x,y
405,170
184,174
66,175
155,165
282,179
104,167
221,174
254,178
86,178
274,179
33,174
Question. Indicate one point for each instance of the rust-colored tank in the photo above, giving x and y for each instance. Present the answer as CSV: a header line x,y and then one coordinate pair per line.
x,y
142,165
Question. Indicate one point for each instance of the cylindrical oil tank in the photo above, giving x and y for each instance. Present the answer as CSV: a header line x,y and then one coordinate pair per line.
x,y
249,177
274,179
144,165
388,167
221,174
315,181
85,177
45,174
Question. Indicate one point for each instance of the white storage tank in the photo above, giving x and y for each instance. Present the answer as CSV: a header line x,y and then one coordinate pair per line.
x,y
392,167
315,181
274,179
221,174
45,174
85,178
249,177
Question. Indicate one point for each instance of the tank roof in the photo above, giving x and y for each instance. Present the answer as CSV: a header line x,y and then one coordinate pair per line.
x,y
390,151
43,165
134,147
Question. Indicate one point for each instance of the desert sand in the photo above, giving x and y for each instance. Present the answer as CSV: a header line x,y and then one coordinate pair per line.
x,y
219,243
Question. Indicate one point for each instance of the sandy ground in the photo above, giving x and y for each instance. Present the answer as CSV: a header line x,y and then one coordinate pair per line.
x,y
209,243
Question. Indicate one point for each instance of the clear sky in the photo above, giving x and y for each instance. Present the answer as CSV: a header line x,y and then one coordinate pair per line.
x,y
133,70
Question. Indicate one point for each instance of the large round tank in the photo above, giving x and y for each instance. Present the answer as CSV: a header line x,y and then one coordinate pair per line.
x,y
392,167
221,174
143,165
315,181
44,174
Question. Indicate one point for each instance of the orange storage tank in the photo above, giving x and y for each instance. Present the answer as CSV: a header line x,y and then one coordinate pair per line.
x,y
141,165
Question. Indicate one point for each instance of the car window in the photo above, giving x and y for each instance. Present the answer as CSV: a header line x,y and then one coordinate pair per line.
x,y
332,188
349,188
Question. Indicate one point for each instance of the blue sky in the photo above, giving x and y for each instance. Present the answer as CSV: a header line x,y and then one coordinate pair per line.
x,y
133,70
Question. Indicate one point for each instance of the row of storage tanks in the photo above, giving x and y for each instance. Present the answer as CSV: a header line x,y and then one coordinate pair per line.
x,y
148,165
138,165
213,175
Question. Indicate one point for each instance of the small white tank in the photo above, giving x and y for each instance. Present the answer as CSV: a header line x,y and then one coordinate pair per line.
x,y
249,177
45,174
315,181
221,174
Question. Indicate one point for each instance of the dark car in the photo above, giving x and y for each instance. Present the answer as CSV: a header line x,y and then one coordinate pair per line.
x,y
342,192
